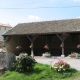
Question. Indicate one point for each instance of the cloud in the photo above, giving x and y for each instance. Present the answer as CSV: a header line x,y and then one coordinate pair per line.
x,y
7,17
76,0
13,19
78,17
33,17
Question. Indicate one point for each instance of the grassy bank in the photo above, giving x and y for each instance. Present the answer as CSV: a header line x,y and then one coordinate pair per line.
x,y
40,72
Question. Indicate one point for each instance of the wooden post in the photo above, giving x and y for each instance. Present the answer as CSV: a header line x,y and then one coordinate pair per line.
x,y
32,51
62,38
32,38
63,48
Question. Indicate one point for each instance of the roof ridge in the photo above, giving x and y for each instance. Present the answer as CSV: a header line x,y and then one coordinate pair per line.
x,y
50,20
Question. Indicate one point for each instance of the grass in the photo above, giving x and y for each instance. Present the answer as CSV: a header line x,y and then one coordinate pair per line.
x,y
41,72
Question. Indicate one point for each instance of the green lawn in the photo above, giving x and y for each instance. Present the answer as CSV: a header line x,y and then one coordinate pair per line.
x,y
40,72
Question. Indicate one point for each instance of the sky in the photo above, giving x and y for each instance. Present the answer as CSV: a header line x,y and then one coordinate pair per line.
x,y
14,12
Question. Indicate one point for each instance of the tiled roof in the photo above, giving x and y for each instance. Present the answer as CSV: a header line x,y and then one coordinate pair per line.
x,y
46,27
5,25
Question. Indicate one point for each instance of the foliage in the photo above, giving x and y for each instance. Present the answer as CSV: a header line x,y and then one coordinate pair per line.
x,y
46,54
40,72
18,47
74,55
60,66
46,47
77,55
24,63
78,46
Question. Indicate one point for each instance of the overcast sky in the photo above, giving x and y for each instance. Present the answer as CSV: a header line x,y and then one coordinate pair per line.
x,y
22,11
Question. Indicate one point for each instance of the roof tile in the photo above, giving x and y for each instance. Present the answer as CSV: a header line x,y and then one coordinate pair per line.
x,y
46,27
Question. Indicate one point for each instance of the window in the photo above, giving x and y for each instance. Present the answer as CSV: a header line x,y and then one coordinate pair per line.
x,y
5,28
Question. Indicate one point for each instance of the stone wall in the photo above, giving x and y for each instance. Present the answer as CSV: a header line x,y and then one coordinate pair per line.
x,y
1,44
18,41
6,60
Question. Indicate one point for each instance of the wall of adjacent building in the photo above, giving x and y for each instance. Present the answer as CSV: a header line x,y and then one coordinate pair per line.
x,y
3,29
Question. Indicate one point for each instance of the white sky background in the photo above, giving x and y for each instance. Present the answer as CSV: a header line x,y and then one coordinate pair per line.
x,y
37,10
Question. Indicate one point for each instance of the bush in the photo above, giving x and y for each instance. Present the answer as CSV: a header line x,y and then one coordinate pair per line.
x,y
46,54
77,55
74,55
60,66
24,63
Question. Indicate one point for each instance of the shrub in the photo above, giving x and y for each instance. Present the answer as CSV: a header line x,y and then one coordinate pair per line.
x,y
74,55
77,55
60,66
46,54
24,63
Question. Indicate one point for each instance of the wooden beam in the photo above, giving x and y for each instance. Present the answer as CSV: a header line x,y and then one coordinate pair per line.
x,y
59,37
32,38
29,38
62,38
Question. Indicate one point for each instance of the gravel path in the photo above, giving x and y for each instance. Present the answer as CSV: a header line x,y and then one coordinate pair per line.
x,y
74,63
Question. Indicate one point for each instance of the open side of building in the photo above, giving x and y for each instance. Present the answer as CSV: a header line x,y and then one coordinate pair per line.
x,y
62,37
